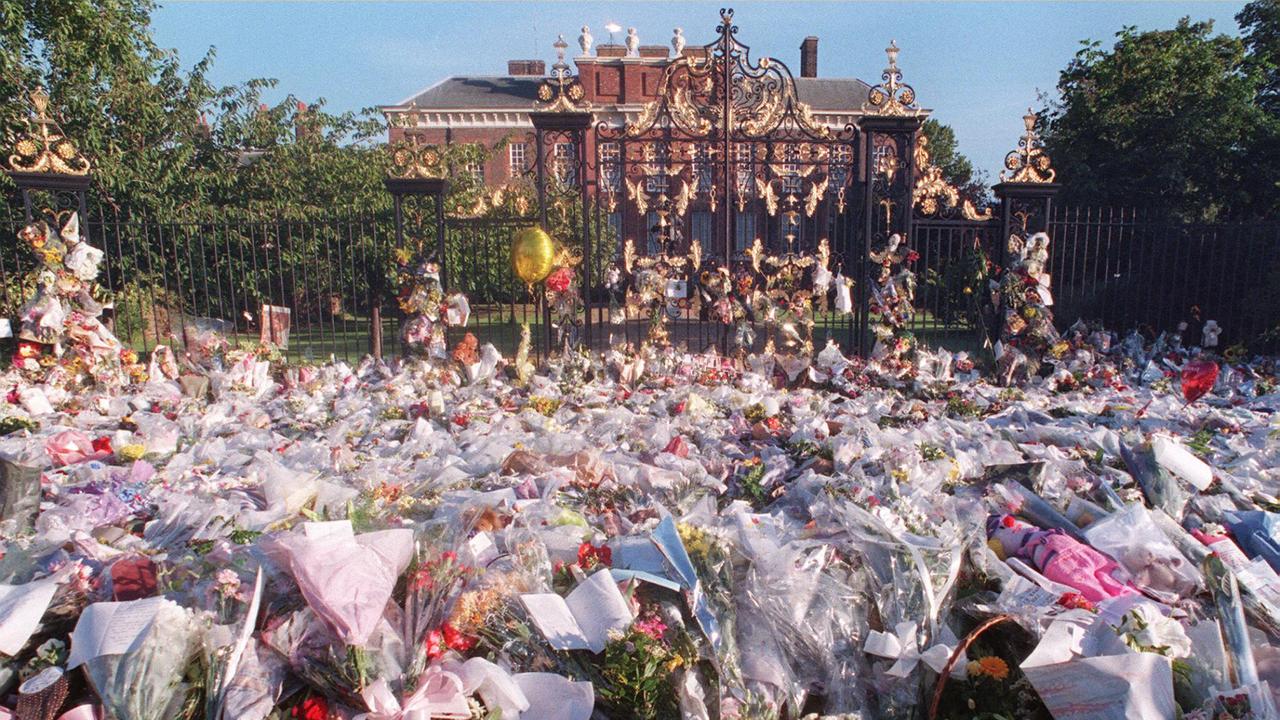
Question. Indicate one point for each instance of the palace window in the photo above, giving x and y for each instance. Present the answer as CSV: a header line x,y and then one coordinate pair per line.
x,y
657,158
518,158
744,231
700,227
611,165
702,167
565,163
841,164
791,169
744,169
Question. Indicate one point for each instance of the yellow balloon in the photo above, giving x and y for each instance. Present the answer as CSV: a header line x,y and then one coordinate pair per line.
x,y
533,254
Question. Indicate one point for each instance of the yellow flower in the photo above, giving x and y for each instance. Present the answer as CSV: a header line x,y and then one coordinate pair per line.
x,y
131,452
990,666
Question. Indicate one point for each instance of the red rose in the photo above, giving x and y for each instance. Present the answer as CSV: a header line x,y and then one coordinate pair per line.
x,y
913,256
103,445
560,280
589,555
313,708
455,640
1075,601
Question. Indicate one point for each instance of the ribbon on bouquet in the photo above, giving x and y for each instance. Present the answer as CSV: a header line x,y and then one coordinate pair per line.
x,y
439,695
903,648
42,695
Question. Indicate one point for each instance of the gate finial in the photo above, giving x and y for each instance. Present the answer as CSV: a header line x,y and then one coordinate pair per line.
x,y
892,96
1029,163
561,91
43,147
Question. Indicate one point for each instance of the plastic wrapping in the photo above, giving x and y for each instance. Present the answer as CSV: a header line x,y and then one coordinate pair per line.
x,y
1154,563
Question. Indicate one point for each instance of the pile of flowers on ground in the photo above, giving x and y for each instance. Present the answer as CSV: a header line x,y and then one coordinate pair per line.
x,y
655,535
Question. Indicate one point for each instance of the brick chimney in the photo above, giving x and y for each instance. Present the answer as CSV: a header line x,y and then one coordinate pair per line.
x,y
809,57
301,122
526,67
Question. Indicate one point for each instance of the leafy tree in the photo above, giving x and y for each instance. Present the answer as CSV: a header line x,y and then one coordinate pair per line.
x,y
164,141
1260,24
956,168
1165,119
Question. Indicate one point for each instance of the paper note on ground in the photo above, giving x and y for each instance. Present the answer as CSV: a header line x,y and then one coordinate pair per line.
x,y
583,619
21,607
555,697
110,628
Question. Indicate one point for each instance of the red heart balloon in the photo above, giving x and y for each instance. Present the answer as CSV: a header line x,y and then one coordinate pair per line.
x,y
1198,377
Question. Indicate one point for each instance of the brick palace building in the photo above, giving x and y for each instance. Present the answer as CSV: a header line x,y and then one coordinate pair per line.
x,y
618,80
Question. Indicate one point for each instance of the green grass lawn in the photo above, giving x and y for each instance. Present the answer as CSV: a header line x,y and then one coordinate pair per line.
x,y
348,338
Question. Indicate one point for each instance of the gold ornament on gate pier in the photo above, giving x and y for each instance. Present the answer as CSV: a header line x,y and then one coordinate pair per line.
x,y
892,96
42,147
411,160
1029,163
533,255
932,191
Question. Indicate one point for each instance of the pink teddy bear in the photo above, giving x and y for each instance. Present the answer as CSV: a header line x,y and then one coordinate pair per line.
x,y
1059,557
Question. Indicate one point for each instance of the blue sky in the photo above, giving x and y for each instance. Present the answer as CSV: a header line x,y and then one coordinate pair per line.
x,y
977,64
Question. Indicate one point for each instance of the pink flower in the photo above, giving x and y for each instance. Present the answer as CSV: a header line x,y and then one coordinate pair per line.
x,y
227,582
652,626
436,647
560,279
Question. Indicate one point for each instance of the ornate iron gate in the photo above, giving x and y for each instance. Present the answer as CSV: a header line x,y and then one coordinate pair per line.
x,y
724,184
724,178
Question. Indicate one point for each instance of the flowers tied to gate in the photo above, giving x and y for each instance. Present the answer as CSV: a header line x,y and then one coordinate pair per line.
x,y
560,279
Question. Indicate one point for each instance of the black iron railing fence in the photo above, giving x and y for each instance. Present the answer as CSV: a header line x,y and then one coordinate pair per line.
x,y
1123,267
1133,268
169,277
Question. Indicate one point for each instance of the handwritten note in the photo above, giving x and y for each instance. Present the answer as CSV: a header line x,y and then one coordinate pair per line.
x,y
111,628
1127,686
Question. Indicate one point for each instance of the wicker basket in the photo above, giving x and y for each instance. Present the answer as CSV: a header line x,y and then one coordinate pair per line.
x,y
959,652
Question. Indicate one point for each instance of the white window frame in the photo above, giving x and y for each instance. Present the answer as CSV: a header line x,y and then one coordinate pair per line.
x,y
611,164
657,158
791,169
565,162
517,158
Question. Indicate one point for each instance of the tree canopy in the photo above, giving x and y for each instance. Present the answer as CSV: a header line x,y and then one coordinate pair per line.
x,y
162,137
956,168
1173,119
